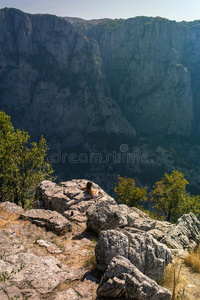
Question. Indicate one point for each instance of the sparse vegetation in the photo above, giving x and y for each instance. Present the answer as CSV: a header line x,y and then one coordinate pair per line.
x,y
58,244
152,214
174,281
90,262
4,276
193,259
23,165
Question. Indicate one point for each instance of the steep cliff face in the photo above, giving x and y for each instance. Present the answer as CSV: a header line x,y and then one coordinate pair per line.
x,y
146,60
52,81
93,86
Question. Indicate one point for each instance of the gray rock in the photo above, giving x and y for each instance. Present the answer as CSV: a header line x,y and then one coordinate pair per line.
x,y
146,253
122,280
51,220
43,273
13,292
51,196
52,248
66,196
185,234
84,290
69,294
30,294
76,216
160,230
104,216
11,207
74,273
111,243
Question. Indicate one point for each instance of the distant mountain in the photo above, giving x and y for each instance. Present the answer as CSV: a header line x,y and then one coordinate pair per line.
x,y
105,87
73,20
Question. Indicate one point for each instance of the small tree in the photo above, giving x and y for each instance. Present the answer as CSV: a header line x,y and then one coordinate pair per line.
x,y
23,165
128,193
171,199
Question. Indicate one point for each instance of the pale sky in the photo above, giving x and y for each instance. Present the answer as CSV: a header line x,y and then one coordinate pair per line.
x,y
178,10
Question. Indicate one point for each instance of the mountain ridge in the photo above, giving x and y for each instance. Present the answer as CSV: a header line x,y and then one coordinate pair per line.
x,y
92,87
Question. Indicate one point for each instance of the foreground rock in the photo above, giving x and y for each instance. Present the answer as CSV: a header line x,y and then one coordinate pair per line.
x,y
49,246
39,271
185,234
122,280
11,207
51,220
54,266
142,250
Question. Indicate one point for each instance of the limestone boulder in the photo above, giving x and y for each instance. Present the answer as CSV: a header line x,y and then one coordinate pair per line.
x,y
148,255
111,243
142,250
11,207
51,220
122,280
107,215
185,234
66,196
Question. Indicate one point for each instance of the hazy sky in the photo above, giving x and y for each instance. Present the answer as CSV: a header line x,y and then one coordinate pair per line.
x,y
92,9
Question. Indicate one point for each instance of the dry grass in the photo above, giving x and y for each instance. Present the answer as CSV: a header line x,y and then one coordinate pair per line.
x,y
174,281
7,218
90,262
193,260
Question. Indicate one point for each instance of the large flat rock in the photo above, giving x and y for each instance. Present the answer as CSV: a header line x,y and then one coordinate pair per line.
x,y
51,220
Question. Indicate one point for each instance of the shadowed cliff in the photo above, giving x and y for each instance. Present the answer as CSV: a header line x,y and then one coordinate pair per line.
x,y
91,86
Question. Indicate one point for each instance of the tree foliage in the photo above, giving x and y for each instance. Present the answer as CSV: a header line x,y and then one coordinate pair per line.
x,y
128,193
171,199
23,165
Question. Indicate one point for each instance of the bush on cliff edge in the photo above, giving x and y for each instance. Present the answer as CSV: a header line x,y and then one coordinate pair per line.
x,y
23,165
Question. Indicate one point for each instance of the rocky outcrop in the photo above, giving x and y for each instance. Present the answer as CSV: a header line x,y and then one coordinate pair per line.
x,y
39,263
182,235
39,271
122,280
130,249
111,243
51,220
185,234
148,255
68,196
104,216
11,207
142,250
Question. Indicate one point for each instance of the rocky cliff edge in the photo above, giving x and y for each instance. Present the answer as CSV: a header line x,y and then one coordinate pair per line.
x,y
69,247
